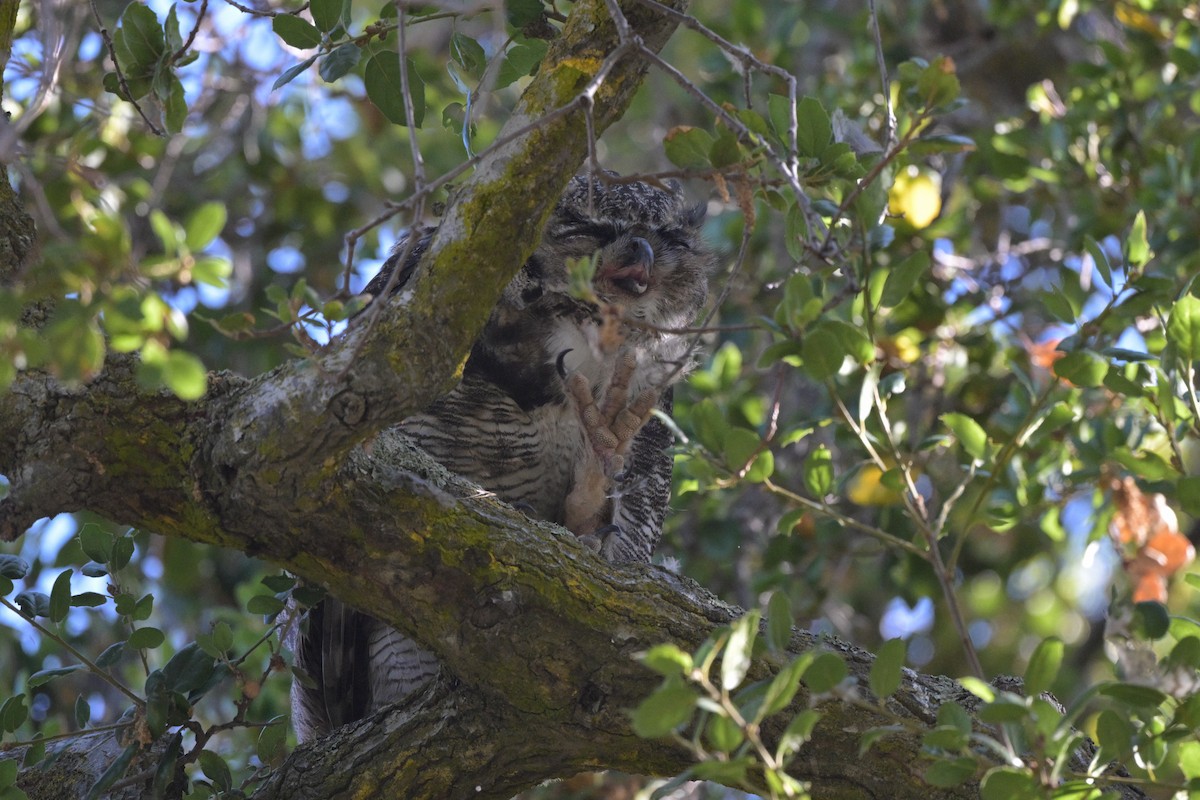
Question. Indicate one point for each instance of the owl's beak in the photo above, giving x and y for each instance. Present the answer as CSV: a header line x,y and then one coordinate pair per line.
x,y
630,270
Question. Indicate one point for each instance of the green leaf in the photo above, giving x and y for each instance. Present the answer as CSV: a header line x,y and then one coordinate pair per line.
x,y
279,583
35,755
853,340
736,660
818,472
164,772
8,772
945,774
667,660
723,734
212,271
523,12
339,61
327,14
111,655
83,712
1082,368
60,596
1187,489
668,707
1099,258
193,672
779,621
1003,710
783,687
1137,245
143,608
1151,620
145,638
1183,328
122,551
1060,306
184,374
264,604
941,143
520,60
826,671
298,33
1114,733
33,604
1007,783
969,433
139,40
115,771
1134,695
13,713
291,72
88,600
46,675
13,567
223,636
726,150
814,129
1043,666
885,675
730,773
797,733
903,277
951,714
779,110
937,84
467,53
206,223
822,353
96,542
740,445
272,741
216,769
688,147
795,235
801,305
382,81
174,101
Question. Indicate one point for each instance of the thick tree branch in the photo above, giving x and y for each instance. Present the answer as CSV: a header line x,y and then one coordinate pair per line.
x,y
538,633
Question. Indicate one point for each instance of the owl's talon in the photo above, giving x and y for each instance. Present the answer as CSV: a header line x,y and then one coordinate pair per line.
x,y
560,365
596,540
611,426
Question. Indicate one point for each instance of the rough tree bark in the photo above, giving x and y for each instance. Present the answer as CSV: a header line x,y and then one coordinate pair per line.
x,y
538,633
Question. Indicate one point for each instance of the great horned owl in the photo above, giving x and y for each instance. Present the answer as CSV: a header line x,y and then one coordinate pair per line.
x,y
553,413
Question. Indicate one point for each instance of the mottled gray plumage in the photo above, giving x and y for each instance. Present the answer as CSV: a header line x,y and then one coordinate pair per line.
x,y
519,422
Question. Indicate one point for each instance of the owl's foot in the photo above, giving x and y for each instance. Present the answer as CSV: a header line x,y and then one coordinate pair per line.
x,y
598,539
609,429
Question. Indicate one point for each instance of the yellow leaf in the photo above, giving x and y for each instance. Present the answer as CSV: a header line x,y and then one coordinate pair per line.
x,y
917,197
866,489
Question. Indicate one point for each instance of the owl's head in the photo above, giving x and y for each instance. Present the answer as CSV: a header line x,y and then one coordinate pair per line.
x,y
652,261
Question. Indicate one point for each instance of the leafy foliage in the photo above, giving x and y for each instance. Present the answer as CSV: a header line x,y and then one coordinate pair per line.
x,y
947,409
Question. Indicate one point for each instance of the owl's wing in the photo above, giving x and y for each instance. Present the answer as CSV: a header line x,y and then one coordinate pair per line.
x,y
330,646
407,268
643,499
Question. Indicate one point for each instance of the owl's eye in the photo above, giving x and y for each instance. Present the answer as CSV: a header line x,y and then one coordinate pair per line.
x,y
598,232
675,240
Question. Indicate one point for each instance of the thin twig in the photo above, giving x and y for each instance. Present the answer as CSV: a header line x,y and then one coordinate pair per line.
x,y
87,662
